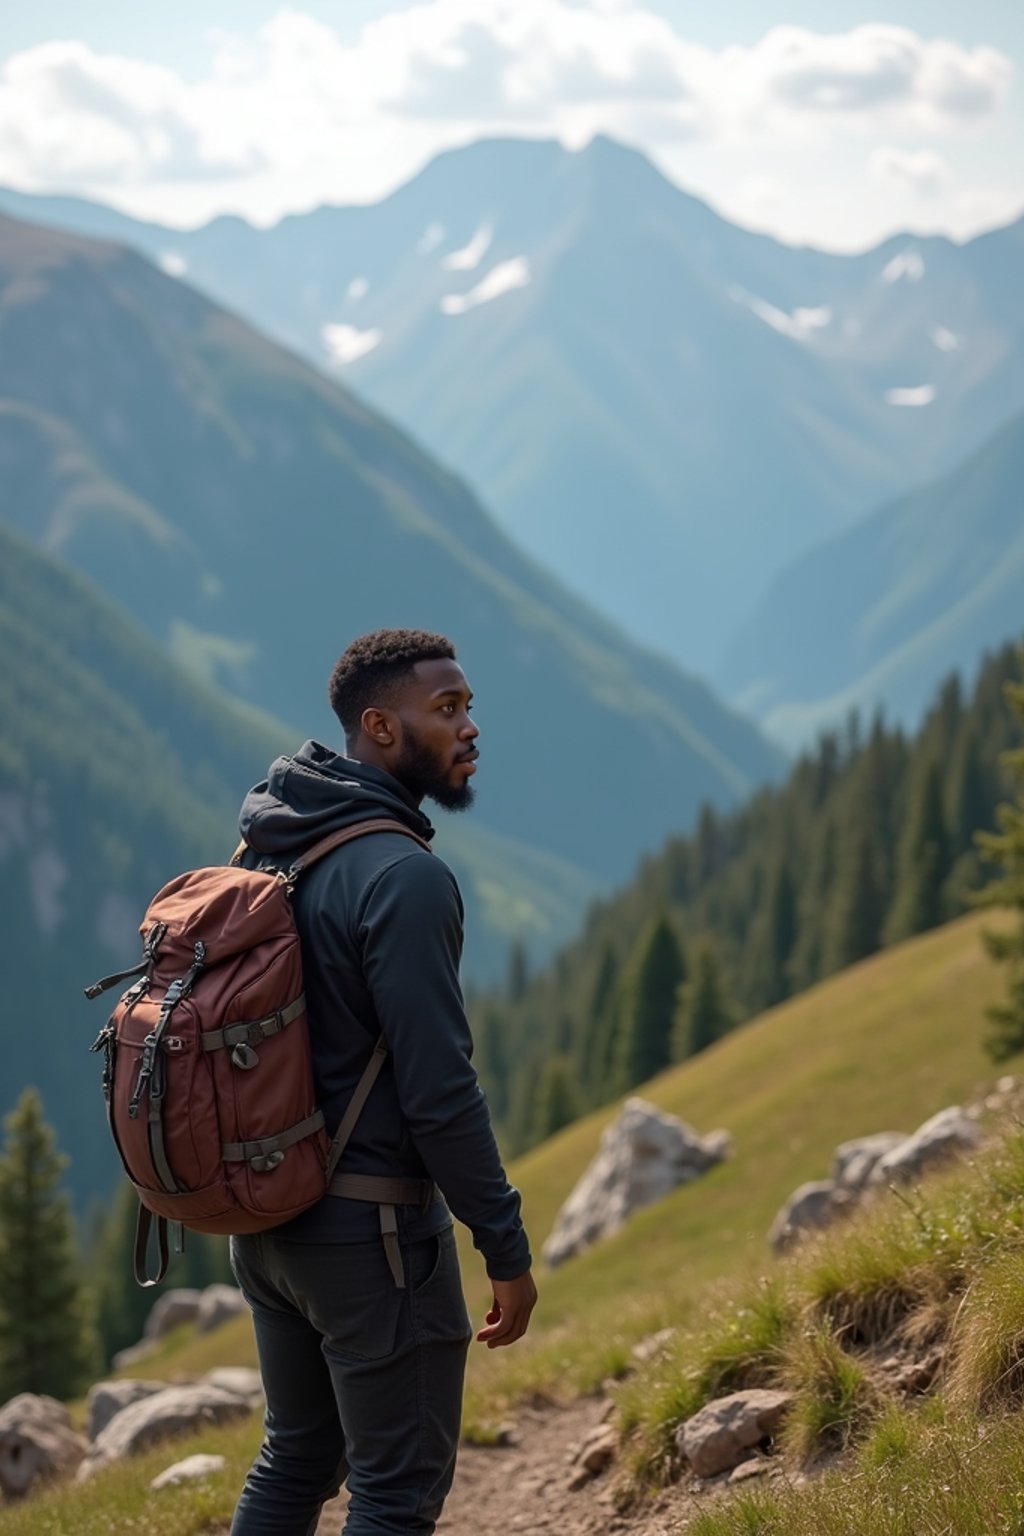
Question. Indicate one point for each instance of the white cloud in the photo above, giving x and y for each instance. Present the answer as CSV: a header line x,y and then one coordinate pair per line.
x,y
502,279
919,171
346,344
294,114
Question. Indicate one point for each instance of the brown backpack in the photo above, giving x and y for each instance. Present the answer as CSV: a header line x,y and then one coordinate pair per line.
x,y
208,1074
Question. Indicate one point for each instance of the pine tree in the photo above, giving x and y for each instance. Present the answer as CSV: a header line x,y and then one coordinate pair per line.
x,y
518,972
557,1099
593,1063
705,1012
655,973
774,937
858,906
47,1340
922,863
1006,847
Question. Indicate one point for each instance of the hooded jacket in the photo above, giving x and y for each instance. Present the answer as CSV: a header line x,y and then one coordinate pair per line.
x,y
380,926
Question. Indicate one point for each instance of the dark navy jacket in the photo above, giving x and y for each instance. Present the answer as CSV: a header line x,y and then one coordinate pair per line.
x,y
380,922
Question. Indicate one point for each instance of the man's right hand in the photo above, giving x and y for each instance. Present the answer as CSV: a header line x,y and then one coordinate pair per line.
x,y
509,1316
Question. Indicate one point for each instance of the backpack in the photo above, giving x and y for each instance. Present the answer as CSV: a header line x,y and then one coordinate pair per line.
x,y
208,1074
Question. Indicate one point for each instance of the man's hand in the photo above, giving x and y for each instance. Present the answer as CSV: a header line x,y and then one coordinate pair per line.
x,y
509,1316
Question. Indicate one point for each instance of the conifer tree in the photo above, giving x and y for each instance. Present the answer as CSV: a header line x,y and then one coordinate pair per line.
x,y
593,1044
518,972
558,1102
922,862
655,973
774,936
705,1012
47,1340
858,906
1006,847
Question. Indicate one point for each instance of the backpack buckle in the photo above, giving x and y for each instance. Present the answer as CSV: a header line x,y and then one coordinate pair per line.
x,y
266,1162
245,1057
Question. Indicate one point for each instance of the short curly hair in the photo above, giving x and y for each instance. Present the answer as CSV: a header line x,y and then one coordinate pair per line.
x,y
368,672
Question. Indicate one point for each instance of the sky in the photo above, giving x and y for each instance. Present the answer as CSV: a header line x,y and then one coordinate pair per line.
x,y
829,122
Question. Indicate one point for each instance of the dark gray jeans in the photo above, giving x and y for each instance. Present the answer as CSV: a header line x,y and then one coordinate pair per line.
x,y
363,1383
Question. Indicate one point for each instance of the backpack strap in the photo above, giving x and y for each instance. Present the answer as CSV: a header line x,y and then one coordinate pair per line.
x,y
347,835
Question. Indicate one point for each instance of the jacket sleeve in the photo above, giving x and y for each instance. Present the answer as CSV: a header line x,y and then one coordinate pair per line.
x,y
410,931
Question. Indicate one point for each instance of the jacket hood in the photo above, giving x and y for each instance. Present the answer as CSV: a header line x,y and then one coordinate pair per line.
x,y
316,792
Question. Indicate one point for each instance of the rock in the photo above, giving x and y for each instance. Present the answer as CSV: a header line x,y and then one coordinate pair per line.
x,y
217,1305
720,1435
594,1456
240,1380
654,1345
37,1443
854,1161
170,1309
108,1398
157,1418
643,1156
755,1467
191,1470
945,1134
808,1208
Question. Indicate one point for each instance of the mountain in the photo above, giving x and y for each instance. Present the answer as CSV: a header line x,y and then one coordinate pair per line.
x,y
118,769
596,350
915,591
254,517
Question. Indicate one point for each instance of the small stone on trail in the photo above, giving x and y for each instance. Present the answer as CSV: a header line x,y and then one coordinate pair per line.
x,y
188,1471
756,1467
593,1457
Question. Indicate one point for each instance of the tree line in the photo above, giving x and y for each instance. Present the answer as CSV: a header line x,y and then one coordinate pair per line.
x,y
871,839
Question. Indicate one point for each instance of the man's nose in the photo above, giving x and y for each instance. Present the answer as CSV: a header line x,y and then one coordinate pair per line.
x,y
470,729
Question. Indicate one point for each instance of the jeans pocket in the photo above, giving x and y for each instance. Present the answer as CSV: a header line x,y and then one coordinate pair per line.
x,y
423,1262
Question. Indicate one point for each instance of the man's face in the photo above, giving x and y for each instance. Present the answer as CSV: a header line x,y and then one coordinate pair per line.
x,y
437,751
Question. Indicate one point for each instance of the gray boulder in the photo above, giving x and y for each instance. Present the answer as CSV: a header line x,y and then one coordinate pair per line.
x,y
167,1413
723,1433
644,1154
217,1305
170,1309
946,1134
854,1162
240,1380
192,1470
37,1444
107,1399
808,1209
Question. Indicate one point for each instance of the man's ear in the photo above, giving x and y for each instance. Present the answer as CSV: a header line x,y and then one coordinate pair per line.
x,y
378,725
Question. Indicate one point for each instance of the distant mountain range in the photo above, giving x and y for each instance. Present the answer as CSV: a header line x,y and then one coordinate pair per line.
x,y
254,517
663,407
917,590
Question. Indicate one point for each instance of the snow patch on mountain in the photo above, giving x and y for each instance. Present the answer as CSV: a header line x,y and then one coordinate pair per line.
x,y
503,278
346,343
943,339
357,289
471,255
919,394
430,239
173,263
800,324
908,264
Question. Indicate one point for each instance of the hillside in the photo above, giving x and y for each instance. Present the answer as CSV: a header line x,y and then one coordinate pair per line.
x,y
117,770
594,348
880,1047
254,517
888,608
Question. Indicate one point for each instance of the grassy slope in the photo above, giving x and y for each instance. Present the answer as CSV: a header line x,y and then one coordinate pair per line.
x,y
881,1046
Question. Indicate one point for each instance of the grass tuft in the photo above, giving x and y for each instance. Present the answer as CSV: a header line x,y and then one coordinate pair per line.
x,y
836,1397
986,1369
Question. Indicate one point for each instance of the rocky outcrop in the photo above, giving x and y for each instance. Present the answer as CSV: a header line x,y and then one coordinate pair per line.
x,y
170,1309
37,1444
724,1432
643,1156
869,1163
108,1398
167,1413
218,1304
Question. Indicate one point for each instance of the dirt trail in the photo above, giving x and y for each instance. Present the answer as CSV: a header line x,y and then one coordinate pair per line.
x,y
525,1487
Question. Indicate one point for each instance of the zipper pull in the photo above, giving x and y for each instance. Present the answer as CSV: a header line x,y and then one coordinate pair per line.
x,y
145,1073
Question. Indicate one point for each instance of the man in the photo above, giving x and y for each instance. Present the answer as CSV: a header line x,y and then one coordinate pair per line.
x,y
362,1366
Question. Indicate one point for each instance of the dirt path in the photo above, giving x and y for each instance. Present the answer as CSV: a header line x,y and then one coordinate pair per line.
x,y
525,1487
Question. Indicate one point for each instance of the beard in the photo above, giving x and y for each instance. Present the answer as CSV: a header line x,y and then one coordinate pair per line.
x,y
423,774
